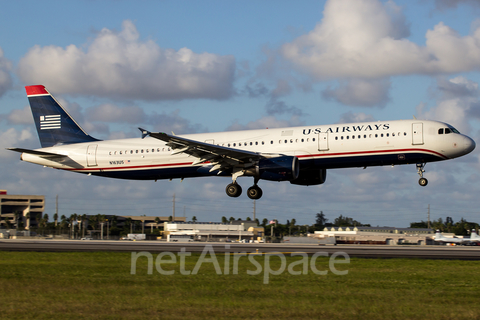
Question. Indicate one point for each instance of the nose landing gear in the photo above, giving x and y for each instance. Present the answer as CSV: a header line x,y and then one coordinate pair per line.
x,y
422,181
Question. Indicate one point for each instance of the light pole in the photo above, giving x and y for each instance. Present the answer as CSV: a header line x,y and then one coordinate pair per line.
x,y
107,231
101,231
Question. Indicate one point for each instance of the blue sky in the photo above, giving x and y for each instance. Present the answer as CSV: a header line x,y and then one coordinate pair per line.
x,y
195,66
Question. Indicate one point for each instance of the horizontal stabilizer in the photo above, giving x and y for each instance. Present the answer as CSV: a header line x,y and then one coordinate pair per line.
x,y
42,154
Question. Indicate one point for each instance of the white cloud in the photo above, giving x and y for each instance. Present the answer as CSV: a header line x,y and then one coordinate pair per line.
x,y
5,77
351,117
457,104
364,93
121,65
266,122
367,39
111,113
23,116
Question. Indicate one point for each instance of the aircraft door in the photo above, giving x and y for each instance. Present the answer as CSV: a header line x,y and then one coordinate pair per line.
x,y
323,141
92,155
417,133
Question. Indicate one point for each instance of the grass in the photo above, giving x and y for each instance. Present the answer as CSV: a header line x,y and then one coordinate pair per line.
x,y
98,285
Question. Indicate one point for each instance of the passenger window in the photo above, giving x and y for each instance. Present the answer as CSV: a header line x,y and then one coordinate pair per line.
x,y
341,138
271,142
348,137
353,137
336,138
303,140
313,139
381,135
376,135
404,133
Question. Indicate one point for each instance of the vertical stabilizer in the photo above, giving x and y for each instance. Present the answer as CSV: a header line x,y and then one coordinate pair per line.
x,y
54,124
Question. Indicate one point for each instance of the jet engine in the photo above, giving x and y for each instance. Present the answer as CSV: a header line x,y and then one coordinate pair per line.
x,y
310,177
284,168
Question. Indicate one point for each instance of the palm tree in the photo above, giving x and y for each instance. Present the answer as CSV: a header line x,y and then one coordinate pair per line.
x,y
157,221
194,219
55,218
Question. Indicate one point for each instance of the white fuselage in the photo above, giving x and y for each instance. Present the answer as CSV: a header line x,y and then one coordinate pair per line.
x,y
325,146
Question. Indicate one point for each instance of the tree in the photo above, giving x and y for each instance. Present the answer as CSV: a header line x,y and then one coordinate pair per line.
x,y
264,222
157,221
224,220
55,219
249,219
342,221
194,219
320,220
231,219
422,224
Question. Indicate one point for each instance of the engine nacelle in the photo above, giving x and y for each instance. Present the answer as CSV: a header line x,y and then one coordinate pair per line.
x,y
285,168
311,177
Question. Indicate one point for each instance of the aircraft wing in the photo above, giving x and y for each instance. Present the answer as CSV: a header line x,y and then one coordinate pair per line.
x,y
221,158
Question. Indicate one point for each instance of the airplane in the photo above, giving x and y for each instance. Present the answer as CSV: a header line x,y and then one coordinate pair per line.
x,y
474,238
447,240
300,155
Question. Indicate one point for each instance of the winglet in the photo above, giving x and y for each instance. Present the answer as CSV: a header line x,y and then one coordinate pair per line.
x,y
144,132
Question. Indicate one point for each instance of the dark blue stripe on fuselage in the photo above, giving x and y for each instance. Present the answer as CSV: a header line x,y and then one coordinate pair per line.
x,y
321,163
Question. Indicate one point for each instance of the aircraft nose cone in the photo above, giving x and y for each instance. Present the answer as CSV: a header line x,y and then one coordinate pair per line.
x,y
469,144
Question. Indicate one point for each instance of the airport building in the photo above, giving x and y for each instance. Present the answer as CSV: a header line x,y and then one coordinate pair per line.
x,y
209,231
377,235
20,210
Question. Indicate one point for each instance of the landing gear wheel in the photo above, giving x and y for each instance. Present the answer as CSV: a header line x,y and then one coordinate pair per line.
x,y
423,182
233,190
254,192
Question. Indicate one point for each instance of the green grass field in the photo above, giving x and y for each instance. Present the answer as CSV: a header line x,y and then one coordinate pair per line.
x,y
99,285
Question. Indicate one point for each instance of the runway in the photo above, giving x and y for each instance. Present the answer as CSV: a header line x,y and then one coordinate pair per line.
x,y
361,251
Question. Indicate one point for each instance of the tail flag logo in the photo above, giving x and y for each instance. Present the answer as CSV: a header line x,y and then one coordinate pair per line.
x,y
50,122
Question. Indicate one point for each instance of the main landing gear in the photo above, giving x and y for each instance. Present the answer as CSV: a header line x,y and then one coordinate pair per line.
x,y
422,181
235,190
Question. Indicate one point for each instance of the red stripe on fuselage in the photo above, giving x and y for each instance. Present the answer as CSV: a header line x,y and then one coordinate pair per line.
x,y
344,154
371,152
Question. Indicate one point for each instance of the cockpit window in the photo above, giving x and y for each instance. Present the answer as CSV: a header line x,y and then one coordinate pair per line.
x,y
454,130
447,130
